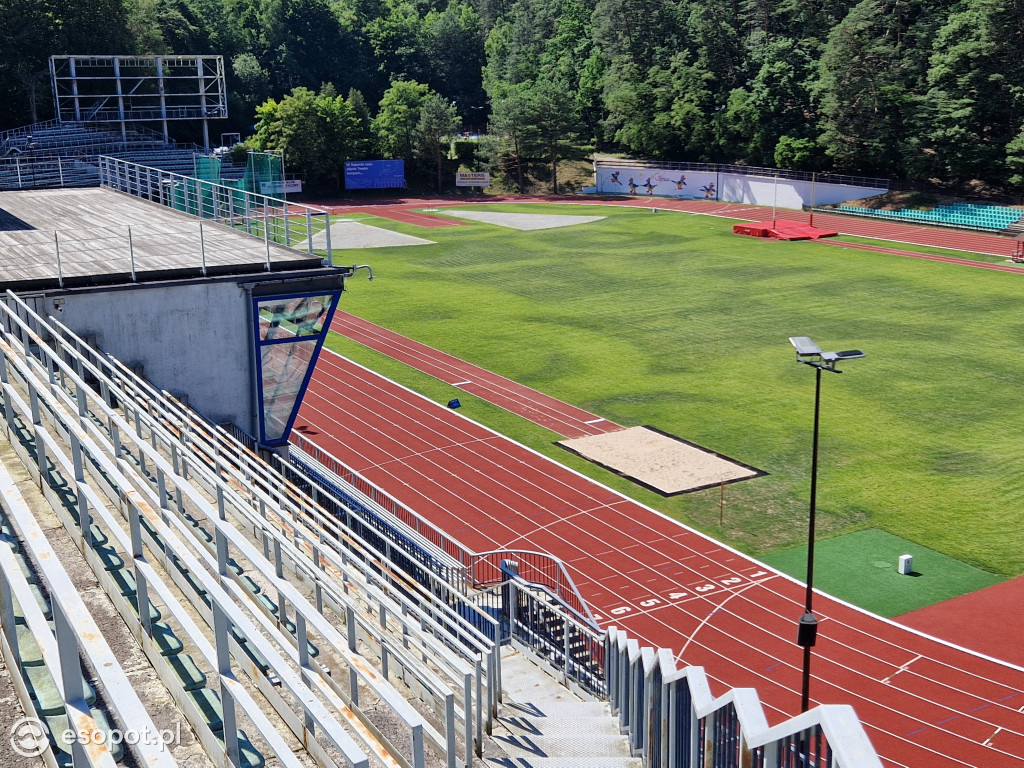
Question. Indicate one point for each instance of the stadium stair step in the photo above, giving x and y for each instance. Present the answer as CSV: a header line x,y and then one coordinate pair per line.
x,y
544,725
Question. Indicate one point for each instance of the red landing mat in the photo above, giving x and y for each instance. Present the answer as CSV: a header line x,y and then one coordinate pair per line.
x,y
783,229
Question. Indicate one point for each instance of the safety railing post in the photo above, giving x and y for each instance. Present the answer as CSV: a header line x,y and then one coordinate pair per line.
x,y
202,247
131,253
327,230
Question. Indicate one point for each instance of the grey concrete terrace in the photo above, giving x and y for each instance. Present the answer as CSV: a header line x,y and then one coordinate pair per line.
x,y
90,236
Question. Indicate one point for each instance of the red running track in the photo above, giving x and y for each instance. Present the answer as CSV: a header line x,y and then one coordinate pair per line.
x,y
924,703
559,417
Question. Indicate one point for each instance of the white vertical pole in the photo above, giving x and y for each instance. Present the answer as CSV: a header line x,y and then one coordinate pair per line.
x,y
60,273
813,177
327,231
775,197
131,253
202,247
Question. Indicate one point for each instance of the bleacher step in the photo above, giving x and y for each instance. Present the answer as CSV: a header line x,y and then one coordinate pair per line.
x,y
544,725
560,726
562,762
577,745
559,709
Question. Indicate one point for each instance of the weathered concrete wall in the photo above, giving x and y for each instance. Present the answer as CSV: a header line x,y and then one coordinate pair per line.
x,y
783,193
192,338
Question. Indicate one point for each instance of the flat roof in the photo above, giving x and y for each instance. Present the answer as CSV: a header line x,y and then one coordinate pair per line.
x,y
97,236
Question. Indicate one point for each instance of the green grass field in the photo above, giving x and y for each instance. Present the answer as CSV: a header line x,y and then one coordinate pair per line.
x,y
669,319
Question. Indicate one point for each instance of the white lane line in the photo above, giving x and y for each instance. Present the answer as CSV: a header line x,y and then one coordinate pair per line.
x,y
902,669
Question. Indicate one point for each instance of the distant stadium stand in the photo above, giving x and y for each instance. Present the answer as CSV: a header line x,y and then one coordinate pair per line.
x,y
985,218
52,155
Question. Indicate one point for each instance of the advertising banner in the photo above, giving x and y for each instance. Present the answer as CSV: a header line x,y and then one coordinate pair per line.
x,y
374,174
472,179
286,187
658,182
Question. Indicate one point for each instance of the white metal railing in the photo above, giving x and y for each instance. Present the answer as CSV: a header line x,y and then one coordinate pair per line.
x,y
482,569
48,172
128,252
673,721
28,130
74,633
272,220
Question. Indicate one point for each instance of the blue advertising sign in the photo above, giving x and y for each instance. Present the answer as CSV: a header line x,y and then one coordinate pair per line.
x,y
374,174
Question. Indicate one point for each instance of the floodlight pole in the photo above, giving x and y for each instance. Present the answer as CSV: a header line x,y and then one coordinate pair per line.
x,y
810,354
808,628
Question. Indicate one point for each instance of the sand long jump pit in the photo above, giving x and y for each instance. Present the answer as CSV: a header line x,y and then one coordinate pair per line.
x,y
658,461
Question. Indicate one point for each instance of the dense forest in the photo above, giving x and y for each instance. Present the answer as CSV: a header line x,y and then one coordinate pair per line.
x,y
914,89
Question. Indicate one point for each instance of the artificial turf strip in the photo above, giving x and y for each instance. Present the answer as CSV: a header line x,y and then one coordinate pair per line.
x,y
671,320
861,568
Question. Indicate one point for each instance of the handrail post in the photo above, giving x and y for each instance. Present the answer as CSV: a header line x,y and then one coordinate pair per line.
x,y
202,246
131,253
60,271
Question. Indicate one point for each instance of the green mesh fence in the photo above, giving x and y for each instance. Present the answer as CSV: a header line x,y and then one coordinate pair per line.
x,y
207,168
264,174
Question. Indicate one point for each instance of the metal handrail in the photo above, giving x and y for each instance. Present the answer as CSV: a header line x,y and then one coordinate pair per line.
x,y
549,570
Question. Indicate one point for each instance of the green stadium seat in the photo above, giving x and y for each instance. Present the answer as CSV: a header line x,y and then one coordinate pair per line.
x,y
28,647
43,690
58,724
187,671
208,703
165,639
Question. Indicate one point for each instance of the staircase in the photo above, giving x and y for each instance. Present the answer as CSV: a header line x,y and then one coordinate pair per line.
x,y
541,724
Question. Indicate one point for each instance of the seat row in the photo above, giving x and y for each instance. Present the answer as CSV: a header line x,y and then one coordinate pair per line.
x,y
992,218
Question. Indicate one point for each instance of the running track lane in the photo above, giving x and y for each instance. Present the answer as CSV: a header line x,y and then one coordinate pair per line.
x,y
561,418
925,704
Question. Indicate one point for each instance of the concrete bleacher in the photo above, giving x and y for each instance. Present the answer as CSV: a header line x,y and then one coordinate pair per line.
x,y
987,218
179,544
